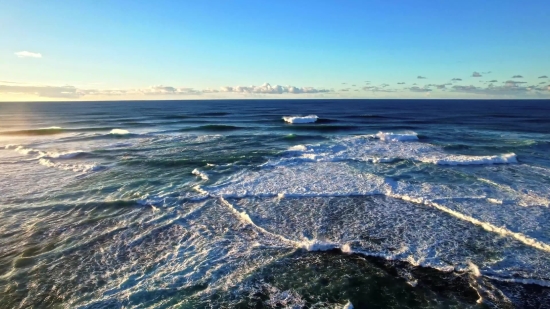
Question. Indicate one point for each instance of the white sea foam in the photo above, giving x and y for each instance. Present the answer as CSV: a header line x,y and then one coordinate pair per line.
x,y
202,175
349,305
470,160
317,245
65,155
119,132
45,158
386,150
298,148
301,119
77,168
27,151
397,137
309,179
318,179
383,160
41,154
474,269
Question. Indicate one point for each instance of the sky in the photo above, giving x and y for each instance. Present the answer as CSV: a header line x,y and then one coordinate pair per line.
x,y
140,50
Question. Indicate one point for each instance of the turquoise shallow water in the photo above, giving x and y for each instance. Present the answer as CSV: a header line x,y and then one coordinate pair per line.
x,y
223,204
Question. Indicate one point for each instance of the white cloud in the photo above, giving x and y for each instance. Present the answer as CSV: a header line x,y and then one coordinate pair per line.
x,y
155,90
28,54
268,89
418,89
510,89
68,92
71,92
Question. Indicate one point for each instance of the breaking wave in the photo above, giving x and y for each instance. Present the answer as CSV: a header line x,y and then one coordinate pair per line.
x,y
301,119
389,147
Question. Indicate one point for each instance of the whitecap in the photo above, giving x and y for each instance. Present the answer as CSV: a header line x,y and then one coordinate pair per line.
x,y
77,168
442,159
301,119
119,132
65,155
202,175
317,245
10,146
397,137
387,149
27,151
349,305
297,148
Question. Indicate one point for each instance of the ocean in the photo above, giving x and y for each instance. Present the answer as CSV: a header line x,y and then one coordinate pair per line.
x,y
225,204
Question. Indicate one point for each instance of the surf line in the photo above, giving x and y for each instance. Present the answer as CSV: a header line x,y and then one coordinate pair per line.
x,y
307,244
485,225
246,219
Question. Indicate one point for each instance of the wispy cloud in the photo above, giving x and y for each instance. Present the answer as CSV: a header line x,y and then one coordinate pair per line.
x,y
544,76
421,77
509,89
377,89
418,89
493,81
456,79
156,90
401,83
28,54
476,74
517,76
441,86
276,89
512,83
71,92
68,92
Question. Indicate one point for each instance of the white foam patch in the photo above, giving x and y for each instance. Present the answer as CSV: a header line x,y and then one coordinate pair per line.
x,y
77,168
349,305
474,269
41,154
388,148
317,245
309,179
119,132
26,151
338,179
200,174
301,119
298,148
397,137
471,160
408,192
65,155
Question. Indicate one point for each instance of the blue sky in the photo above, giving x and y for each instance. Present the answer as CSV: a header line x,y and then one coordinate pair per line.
x,y
96,50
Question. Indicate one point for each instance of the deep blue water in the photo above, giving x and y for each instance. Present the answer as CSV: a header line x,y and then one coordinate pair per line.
x,y
223,204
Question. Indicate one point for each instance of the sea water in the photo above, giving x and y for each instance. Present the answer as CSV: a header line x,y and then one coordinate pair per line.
x,y
275,204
